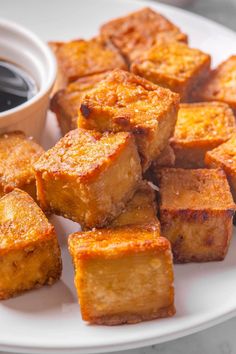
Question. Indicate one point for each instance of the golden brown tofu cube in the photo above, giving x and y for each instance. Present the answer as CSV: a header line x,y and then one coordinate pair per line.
x,y
80,58
221,84
66,102
173,65
126,102
141,209
123,275
224,157
200,127
196,211
166,158
88,177
138,31
17,156
29,252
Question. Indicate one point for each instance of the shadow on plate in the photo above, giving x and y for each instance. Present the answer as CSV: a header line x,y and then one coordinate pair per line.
x,y
64,228
51,133
47,298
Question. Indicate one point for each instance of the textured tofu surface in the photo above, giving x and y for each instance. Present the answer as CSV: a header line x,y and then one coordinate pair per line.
x,y
138,31
17,155
201,127
166,158
141,209
196,210
224,156
194,189
66,102
221,85
123,275
88,176
126,102
30,254
79,58
173,65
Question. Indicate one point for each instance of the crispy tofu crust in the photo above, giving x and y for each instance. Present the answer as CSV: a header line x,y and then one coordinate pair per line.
x,y
17,155
200,128
173,65
123,275
224,156
138,31
80,58
194,189
88,177
126,102
196,211
221,84
29,252
66,102
141,209
166,158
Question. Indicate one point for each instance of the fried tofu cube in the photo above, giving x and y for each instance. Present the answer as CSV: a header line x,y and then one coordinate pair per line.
x,y
173,65
88,177
29,252
80,58
141,209
126,102
17,156
66,102
221,84
200,128
166,158
224,157
138,31
196,211
123,275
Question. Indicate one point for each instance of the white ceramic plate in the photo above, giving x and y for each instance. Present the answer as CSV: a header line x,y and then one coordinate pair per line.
x,y
48,320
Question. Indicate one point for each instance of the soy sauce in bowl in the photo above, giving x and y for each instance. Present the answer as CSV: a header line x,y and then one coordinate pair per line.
x,y
16,86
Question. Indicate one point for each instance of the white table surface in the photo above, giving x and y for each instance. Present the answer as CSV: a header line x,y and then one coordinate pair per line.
x,y
222,11
220,339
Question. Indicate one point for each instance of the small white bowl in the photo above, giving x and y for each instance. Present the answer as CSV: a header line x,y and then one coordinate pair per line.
x,y
25,49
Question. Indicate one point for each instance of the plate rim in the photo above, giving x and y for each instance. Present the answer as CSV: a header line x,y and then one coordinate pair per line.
x,y
103,348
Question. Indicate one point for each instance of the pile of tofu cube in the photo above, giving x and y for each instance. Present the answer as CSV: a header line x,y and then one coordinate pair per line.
x,y
146,166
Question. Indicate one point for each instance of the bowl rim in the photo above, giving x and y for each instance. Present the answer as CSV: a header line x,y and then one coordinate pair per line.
x,y
51,65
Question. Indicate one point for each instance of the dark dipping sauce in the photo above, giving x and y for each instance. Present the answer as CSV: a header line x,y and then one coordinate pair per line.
x,y
16,86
